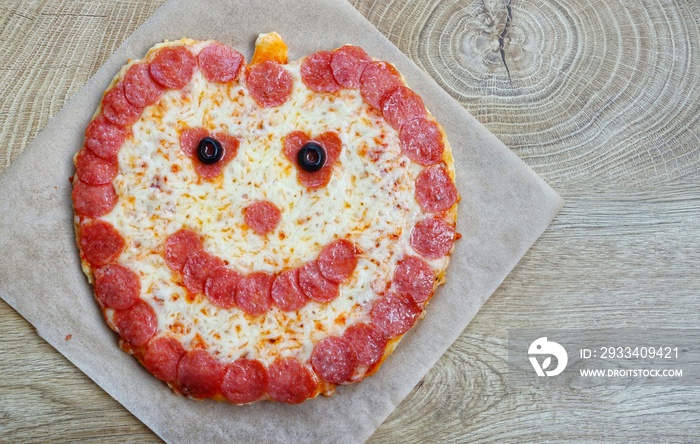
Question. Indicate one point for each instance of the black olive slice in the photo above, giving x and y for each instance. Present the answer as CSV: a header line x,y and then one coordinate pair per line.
x,y
311,157
209,150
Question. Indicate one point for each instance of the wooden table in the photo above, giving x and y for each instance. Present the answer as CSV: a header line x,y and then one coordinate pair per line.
x,y
602,99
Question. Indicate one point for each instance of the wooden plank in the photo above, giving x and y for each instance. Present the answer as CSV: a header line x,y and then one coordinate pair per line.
x,y
614,259
601,99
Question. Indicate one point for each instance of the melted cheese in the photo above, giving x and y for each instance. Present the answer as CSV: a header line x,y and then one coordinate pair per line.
x,y
369,200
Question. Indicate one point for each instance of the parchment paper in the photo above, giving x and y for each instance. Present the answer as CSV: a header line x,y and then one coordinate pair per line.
x,y
505,207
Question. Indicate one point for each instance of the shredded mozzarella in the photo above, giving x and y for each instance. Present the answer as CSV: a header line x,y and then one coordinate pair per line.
x,y
369,200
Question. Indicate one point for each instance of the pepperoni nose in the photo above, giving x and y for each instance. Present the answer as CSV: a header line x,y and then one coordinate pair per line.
x,y
262,216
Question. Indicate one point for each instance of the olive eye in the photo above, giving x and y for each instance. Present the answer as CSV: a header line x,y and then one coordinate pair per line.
x,y
209,150
311,157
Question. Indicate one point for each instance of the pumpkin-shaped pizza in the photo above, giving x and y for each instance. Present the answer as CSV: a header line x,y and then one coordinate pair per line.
x,y
262,231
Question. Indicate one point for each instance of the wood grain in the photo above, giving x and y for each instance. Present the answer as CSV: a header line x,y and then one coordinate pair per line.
x,y
611,259
602,99
593,90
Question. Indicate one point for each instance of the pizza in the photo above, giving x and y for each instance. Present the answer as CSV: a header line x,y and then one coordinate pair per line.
x,y
265,230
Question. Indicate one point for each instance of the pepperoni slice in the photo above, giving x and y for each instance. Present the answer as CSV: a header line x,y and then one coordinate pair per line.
x,y
197,269
93,200
435,190
286,292
219,63
209,172
315,286
104,138
117,109
200,374
337,260
100,242
378,80
317,74
395,314
262,216
368,342
253,293
402,106
245,381
290,381
319,179
293,143
270,84
334,360
432,238
161,358
173,66
137,324
347,64
94,170
421,140
179,246
414,277
117,287
139,87
330,141
220,287
189,142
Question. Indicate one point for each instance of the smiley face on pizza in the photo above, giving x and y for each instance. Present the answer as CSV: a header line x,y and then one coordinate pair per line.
x,y
262,231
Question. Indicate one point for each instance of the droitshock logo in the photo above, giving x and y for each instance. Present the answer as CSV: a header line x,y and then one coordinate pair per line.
x,y
542,346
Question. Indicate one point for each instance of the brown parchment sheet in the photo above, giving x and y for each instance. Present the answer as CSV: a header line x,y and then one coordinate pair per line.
x,y
505,207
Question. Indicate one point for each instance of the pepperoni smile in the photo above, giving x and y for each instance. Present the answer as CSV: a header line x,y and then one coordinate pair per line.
x,y
255,293
349,346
